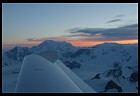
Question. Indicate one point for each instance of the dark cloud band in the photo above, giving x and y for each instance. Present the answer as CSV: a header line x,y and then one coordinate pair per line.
x,y
114,20
120,15
128,32
120,33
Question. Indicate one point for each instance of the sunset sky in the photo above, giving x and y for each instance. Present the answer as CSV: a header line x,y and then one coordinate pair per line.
x,y
80,24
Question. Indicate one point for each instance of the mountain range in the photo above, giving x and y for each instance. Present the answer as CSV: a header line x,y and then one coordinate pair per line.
x,y
107,67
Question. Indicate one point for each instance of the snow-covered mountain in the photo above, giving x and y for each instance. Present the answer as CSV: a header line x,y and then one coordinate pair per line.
x,y
18,53
53,45
107,67
15,55
108,63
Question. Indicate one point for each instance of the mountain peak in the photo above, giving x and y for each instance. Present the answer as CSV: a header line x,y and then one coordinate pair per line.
x,y
46,42
53,45
15,48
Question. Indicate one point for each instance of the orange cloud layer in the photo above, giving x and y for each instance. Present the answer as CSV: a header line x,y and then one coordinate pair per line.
x,y
86,43
82,43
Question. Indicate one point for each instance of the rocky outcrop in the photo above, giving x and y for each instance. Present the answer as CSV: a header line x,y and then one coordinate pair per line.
x,y
112,85
96,77
72,65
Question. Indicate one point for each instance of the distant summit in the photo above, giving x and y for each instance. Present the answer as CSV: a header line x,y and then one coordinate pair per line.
x,y
46,42
53,45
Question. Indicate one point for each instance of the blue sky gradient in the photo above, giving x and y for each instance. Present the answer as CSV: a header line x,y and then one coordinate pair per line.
x,y
21,22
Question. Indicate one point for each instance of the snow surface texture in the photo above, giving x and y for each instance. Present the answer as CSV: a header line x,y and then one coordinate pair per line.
x,y
40,75
108,67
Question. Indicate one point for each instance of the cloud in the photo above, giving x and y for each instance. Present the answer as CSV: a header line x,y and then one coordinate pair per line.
x,y
119,15
76,35
116,16
36,40
46,38
127,32
114,20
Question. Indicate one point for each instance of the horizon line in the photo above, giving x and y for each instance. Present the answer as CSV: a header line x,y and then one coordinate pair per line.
x,y
7,47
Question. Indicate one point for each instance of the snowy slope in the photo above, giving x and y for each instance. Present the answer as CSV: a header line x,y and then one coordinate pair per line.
x,y
9,77
113,61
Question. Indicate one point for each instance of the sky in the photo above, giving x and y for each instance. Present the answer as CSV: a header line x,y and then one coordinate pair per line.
x,y
81,24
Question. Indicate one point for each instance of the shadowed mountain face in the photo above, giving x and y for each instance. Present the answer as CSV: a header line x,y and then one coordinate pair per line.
x,y
80,52
49,55
18,53
134,77
112,61
115,73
